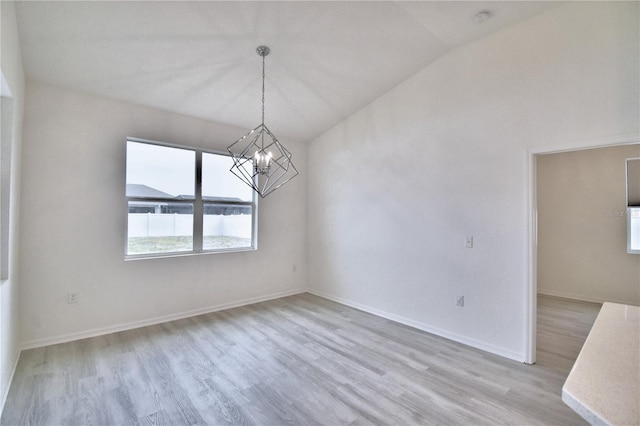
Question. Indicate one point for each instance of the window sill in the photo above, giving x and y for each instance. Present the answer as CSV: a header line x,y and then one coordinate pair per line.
x,y
185,254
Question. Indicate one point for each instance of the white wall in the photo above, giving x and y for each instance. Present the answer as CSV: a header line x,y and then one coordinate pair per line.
x,y
11,67
74,216
582,224
397,187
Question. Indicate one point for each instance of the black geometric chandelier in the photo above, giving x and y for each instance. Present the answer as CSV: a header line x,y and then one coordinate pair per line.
x,y
259,159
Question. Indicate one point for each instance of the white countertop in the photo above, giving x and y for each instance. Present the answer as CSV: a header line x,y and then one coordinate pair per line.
x,y
603,385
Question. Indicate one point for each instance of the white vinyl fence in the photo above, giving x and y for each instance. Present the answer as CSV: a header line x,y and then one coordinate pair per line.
x,y
174,225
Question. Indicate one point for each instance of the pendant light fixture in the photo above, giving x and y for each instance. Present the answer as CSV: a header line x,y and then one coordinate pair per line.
x,y
259,159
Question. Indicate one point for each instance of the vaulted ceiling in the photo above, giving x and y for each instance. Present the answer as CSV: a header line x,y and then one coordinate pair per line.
x,y
328,59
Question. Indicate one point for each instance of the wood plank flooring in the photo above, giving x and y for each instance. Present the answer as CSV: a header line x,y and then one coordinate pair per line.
x,y
300,360
562,328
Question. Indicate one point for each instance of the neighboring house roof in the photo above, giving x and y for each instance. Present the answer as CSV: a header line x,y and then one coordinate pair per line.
x,y
136,190
227,199
144,191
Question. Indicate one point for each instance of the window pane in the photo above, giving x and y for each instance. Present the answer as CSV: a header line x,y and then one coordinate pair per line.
x,y
155,171
218,183
227,226
159,227
633,229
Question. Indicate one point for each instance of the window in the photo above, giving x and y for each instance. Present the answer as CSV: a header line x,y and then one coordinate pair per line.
x,y
633,205
185,201
633,230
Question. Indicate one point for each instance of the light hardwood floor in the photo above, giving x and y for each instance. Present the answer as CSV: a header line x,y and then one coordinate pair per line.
x,y
299,360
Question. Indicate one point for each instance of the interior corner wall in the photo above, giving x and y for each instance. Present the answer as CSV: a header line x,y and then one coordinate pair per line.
x,y
582,238
11,67
398,186
74,218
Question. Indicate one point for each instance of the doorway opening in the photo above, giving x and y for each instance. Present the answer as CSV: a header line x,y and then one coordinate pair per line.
x,y
553,219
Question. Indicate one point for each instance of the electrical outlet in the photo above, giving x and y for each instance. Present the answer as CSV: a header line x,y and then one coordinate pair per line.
x,y
468,242
460,301
72,297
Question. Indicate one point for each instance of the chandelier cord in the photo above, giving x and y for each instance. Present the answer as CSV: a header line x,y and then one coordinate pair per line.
x,y
263,90
262,138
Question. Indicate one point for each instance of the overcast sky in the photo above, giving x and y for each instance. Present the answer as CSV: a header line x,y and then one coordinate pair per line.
x,y
172,170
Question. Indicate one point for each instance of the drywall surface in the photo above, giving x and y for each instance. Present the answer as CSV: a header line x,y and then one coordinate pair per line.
x,y
11,67
74,217
582,238
399,186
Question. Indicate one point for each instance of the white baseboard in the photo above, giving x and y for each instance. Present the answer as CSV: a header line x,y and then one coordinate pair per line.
x,y
581,297
520,357
5,392
37,343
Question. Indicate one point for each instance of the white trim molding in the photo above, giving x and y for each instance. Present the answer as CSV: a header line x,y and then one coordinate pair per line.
x,y
38,343
580,297
424,327
3,397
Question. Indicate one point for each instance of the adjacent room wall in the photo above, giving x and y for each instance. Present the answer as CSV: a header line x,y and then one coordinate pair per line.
x,y
74,212
399,186
582,239
11,68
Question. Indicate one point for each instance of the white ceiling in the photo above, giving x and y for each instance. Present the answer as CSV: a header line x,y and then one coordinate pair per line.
x,y
328,59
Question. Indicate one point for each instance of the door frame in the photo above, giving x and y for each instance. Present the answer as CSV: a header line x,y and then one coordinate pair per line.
x,y
531,304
